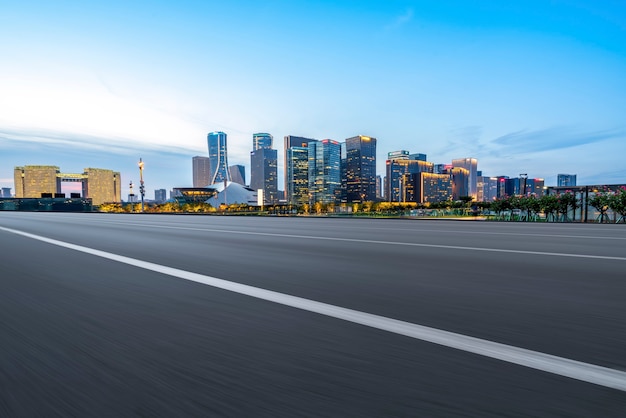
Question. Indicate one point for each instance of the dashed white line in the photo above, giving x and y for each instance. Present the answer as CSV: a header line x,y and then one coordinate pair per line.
x,y
545,362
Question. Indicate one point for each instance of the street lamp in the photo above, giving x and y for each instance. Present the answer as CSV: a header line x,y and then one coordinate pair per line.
x,y
142,188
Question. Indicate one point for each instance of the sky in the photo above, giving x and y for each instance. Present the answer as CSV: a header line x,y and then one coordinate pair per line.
x,y
535,87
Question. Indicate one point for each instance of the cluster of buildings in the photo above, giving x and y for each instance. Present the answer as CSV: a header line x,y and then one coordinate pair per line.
x,y
325,171
330,171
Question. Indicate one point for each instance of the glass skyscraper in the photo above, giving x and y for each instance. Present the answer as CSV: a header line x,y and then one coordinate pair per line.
x,y
564,180
325,171
297,183
261,140
360,169
218,157
290,142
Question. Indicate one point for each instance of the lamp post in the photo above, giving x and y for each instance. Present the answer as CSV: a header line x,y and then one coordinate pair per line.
x,y
142,188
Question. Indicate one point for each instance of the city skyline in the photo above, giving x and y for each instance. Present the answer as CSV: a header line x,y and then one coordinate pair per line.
x,y
533,88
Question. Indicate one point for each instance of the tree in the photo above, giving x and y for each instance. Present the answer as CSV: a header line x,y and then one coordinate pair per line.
x,y
617,203
600,201
549,206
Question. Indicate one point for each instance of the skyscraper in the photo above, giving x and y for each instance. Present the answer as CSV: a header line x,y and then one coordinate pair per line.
x,y
218,157
263,173
261,140
201,171
360,169
325,171
396,169
292,141
297,180
237,174
565,180
6,192
471,165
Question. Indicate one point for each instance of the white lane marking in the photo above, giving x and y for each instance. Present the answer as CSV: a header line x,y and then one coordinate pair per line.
x,y
578,370
367,241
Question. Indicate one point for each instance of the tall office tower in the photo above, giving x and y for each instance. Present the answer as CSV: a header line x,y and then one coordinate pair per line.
x,y
297,180
379,189
201,171
325,171
471,165
262,140
102,186
565,180
360,169
396,169
425,187
263,173
160,195
36,181
219,157
237,174
6,192
487,188
460,182
291,141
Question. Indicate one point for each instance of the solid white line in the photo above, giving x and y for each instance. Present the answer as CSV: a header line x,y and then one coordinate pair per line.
x,y
367,241
545,362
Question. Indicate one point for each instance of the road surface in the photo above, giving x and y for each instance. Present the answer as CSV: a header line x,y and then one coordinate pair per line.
x,y
166,315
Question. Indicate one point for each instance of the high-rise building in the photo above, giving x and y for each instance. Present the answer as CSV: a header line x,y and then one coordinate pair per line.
x,y
471,165
292,141
218,156
360,168
396,169
36,181
201,171
237,174
425,187
325,171
379,188
6,192
160,195
261,140
566,180
460,182
297,180
263,173
487,189
420,157
535,187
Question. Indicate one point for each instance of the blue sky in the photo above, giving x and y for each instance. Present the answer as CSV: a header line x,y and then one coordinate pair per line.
x,y
535,87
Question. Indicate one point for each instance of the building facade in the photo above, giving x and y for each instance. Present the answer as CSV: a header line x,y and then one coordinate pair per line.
x,y
160,195
297,180
264,174
360,168
201,167
291,141
102,186
397,169
262,140
471,165
218,156
237,174
325,171
565,180
36,181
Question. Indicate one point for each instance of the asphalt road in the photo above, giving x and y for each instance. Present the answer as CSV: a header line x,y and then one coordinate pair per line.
x,y
83,335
